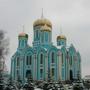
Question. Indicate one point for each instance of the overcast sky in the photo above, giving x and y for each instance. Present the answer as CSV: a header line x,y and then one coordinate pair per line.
x,y
72,15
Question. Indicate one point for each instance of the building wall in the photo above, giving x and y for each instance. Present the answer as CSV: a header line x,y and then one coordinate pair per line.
x,y
63,63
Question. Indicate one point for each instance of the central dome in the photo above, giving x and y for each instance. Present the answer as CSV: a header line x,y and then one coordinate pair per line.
x,y
42,22
45,28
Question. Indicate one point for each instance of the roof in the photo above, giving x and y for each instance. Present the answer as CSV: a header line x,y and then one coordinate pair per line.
x,y
22,34
61,37
42,21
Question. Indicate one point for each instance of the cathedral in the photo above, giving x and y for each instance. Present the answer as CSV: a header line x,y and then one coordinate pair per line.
x,y
44,60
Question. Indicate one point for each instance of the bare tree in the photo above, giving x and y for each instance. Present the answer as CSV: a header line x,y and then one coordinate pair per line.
x,y
4,43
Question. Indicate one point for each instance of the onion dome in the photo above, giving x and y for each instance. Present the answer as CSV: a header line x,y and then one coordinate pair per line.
x,y
61,37
42,22
45,28
23,35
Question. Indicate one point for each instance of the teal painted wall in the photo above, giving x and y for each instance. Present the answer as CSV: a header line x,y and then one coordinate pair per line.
x,y
42,44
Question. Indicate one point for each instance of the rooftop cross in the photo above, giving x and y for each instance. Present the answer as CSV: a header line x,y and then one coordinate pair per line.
x,y
23,28
60,30
42,14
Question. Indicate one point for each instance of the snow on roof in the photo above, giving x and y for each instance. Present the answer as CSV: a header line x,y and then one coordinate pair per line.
x,y
45,48
59,47
67,48
87,77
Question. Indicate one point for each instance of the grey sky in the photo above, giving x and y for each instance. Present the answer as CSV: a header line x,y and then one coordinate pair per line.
x,y
72,15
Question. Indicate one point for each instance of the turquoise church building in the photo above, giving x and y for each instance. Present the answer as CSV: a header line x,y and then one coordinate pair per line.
x,y
44,60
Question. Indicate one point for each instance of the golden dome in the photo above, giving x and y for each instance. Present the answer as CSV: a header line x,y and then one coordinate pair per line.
x,y
22,34
42,21
61,37
45,28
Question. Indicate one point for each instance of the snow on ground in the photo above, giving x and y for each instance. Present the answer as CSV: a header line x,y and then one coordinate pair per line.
x,y
38,89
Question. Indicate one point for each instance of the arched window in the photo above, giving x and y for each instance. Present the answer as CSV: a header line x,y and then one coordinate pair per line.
x,y
28,74
53,57
17,73
62,58
42,38
46,37
41,58
36,33
53,71
29,60
18,61
41,73
70,60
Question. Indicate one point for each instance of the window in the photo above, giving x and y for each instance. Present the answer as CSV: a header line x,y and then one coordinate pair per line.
x,y
42,38
29,60
23,42
36,33
41,59
17,72
62,58
41,73
18,61
53,57
46,36
53,71
71,60
59,43
18,76
28,74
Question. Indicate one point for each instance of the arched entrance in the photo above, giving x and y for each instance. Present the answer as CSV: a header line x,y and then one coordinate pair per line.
x,y
71,75
28,74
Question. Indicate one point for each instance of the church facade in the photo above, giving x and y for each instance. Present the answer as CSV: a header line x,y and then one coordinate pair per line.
x,y
43,60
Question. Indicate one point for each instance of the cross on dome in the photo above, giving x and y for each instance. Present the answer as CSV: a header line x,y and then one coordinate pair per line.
x,y
23,34
60,30
23,28
42,16
61,36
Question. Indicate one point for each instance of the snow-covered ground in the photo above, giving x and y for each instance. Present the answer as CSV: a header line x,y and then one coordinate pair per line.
x,y
38,89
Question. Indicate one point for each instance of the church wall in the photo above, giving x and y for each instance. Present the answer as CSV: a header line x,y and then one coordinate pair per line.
x,y
13,68
53,65
28,67
63,74
61,71
56,63
42,65
63,63
74,65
